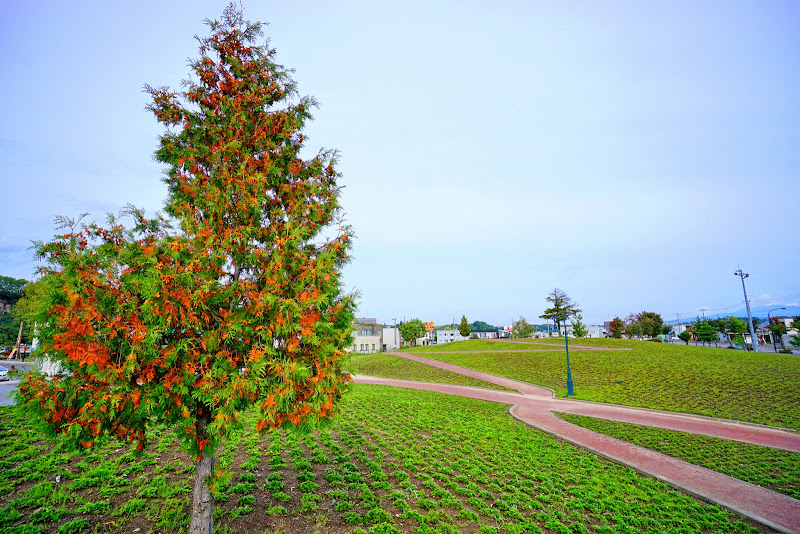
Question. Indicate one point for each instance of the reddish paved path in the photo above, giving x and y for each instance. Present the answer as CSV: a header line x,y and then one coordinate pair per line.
x,y
535,406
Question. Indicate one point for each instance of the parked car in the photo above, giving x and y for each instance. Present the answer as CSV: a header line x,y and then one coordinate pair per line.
x,y
3,373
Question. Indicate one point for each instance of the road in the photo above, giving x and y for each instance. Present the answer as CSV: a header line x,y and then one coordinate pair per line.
x,y
6,389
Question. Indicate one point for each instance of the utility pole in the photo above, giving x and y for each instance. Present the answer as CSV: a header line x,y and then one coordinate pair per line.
x,y
753,337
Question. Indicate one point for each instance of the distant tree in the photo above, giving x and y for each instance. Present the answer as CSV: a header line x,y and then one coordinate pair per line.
x,y
633,328
11,289
463,328
578,328
777,328
706,333
521,329
650,323
685,336
481,325
721,325
738,327
412,330
617,327
562,308
795,339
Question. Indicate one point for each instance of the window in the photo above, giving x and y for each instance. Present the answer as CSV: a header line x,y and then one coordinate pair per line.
x,y
362,347
373,347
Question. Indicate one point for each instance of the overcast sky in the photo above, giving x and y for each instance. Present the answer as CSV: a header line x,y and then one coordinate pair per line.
x,y
632,154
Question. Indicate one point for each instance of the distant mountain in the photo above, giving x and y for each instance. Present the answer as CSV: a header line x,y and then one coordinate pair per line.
x,y
757,311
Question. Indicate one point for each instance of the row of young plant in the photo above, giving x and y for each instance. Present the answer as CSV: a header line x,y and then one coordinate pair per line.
x,y
46,488
773,469
396,461
751,387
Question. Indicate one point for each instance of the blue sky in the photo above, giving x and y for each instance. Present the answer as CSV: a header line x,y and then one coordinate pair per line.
x,y
632,154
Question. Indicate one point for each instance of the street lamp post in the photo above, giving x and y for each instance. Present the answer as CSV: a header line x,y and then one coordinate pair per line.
x,y
570,387
753,337
769,322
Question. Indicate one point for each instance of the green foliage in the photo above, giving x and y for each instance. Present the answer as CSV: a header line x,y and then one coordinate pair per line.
x,y
647,324
736,325
412,330
391,366
11,289
794,340
521,328
685,336
705,332
76,525
231,299
562,308
463,328
777,327
579,329
481,325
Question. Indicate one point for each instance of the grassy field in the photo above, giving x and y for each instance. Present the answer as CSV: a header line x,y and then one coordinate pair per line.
x,y
756,387
395,461
770,468
389,366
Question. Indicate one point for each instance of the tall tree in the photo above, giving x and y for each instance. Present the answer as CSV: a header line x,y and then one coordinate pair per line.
x,y
617,327
463,328
412,330
240,305
562,308
578,327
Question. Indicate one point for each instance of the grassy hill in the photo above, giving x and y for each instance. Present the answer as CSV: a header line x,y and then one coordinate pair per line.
x,y
755,387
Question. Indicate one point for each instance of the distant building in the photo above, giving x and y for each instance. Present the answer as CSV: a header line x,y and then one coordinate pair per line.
x,y
485,334
369,336
596,331
449,336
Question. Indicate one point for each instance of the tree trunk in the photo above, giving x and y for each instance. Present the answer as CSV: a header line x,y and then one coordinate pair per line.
x,y
202,499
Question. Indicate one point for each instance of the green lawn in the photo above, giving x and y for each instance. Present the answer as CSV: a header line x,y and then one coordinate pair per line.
x,y
756,387
395,461
390,366
771,468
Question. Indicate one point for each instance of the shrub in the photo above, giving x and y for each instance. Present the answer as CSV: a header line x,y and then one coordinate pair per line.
x,y
73,526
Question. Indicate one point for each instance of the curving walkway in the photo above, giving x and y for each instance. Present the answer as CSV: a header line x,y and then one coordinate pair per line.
x,y
534,405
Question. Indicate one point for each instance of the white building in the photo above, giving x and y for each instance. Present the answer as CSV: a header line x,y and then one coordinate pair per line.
x,y
390,340
596,330
449,336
